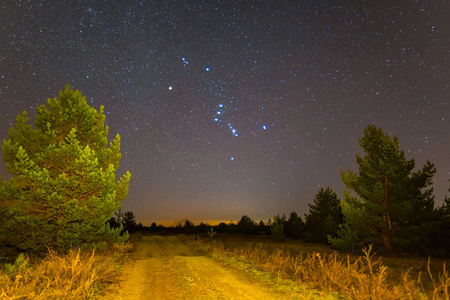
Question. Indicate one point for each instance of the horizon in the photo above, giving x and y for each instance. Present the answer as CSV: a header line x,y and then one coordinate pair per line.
x,y
195,222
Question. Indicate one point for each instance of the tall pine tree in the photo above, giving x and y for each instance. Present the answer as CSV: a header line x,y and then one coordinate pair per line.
x,y
63,188
391,195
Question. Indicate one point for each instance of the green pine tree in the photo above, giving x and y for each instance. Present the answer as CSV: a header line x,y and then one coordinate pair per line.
x,y
390,194
63,188
277,229
247,225
324,215
442,239
295,227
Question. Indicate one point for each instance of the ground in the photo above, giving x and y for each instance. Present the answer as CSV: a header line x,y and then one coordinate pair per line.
x,y
164,267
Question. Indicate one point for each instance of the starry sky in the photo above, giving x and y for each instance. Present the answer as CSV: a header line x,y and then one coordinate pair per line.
x,y
228,108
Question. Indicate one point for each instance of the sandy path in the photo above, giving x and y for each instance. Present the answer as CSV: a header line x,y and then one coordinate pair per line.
x,y
163,267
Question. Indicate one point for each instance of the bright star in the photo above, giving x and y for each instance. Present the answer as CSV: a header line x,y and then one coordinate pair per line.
x,y
264,127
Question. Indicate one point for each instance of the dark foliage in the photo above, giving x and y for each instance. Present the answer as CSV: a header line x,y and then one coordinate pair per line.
x,y
295,227
277,229
126,221
247,226
324,216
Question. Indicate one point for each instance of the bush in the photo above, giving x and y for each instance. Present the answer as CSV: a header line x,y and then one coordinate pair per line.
x,y
19,265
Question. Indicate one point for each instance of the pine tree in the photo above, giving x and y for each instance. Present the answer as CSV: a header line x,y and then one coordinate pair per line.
x,y
277,229
247,225
390,193
129,221
295,227
443,237
63,188
324,215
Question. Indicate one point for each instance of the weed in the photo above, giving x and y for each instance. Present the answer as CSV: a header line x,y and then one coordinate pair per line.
x,y
211,233
20,264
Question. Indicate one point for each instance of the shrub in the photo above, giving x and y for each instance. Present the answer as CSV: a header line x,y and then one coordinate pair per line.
x,y
19,265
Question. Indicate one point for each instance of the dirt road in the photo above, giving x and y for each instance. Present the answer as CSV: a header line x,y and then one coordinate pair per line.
x,y
163,267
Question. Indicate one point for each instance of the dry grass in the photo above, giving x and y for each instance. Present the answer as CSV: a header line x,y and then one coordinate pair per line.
x,y
364,277
76,275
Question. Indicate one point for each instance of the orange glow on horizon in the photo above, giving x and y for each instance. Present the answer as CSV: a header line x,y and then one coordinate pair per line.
x,y
196,222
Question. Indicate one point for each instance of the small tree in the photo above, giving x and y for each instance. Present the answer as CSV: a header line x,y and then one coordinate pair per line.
x,y
263,228
64,189
295,227
247,226
222,227
277,229
129,221
324,215
211,233
442,239
355,225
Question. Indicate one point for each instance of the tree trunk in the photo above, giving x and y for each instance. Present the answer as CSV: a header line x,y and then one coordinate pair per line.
x,y
387,218
386,243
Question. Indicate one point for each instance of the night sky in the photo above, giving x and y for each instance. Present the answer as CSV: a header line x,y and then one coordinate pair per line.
x,y
228,108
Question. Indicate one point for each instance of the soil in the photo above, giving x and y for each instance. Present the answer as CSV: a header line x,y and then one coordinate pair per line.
x,y
164,267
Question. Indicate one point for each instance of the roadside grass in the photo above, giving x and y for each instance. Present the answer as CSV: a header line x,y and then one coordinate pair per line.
x,y
279,285
358,277
76,275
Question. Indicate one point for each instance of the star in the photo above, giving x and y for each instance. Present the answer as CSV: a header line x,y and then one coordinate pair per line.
x,y
189,87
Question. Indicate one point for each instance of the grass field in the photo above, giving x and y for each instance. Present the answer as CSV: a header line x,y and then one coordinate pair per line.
x,y
359,277
88,274
75,275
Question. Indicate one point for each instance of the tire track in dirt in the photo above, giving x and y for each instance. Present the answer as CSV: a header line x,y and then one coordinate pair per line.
x,y
163,267
150,275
